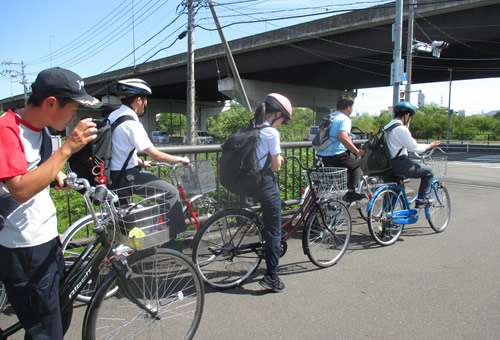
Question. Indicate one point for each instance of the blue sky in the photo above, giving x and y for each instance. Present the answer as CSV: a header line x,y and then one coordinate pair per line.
x,y
91,37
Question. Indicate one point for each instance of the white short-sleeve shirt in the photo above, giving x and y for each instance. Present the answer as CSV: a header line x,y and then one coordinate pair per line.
x,y
127,136
269,143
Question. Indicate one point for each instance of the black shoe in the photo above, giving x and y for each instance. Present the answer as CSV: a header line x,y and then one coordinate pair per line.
x,y
275,285
423,202
352,196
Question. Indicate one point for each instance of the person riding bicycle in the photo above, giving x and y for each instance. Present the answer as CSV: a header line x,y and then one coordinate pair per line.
x,y
130,137
32,262
341,152
399,142
274,111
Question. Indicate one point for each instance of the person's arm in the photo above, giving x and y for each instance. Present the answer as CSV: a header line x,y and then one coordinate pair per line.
x,y
347,141
23,187
409,142
276,162
159,156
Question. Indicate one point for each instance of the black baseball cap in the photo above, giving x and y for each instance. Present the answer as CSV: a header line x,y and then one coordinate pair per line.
x,y
62,83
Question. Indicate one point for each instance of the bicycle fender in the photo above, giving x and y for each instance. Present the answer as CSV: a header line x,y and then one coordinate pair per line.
x,y
375,194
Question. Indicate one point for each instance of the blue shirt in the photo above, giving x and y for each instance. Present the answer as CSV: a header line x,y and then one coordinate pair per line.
x,y
341,122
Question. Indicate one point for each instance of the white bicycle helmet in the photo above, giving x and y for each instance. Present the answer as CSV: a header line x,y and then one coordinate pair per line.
x,y
132,87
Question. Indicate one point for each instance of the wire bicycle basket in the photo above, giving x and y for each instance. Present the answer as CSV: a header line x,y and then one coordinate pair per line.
x,y
142,221
438,163
199,178
329,182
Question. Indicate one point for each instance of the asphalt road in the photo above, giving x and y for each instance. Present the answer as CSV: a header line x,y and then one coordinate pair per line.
x,y
426,286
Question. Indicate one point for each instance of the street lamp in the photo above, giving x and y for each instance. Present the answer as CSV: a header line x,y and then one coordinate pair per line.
x,y
50,47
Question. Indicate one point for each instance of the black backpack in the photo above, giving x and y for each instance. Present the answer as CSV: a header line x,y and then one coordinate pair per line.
x,y
377,158
322,138
94,159
238,168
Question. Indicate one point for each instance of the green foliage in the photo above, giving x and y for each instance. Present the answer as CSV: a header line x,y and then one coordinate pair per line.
x,y
227,122
77,205
173,123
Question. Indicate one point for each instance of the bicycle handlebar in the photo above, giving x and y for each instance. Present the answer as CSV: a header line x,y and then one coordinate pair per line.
x,y
428,153
317,163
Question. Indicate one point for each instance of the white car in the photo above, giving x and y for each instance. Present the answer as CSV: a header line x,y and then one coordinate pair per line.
x,y
159,137
202,137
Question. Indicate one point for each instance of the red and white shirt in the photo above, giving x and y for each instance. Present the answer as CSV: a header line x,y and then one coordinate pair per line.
x,y
33,222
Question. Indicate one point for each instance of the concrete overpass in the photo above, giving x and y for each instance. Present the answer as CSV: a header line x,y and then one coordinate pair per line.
x,y
315,61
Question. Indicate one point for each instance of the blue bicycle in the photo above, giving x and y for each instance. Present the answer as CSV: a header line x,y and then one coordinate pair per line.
x,y
390,209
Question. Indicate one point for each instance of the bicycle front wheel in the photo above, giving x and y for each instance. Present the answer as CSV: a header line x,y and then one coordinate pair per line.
x,y
439,212
74,241
326,237
383,230
228,248
162,279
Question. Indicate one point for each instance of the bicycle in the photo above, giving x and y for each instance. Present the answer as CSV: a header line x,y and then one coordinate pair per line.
x,y
367,185
159,289
389,210
197,180
229,247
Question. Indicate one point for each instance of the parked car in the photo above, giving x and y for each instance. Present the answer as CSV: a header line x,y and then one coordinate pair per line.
x,y
312,131
202,137
159,137
357,133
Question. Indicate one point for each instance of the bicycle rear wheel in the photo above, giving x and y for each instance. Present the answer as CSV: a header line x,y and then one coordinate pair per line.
x,y
325,241
162,279
74,241
3,296
438,213
381,227
228,248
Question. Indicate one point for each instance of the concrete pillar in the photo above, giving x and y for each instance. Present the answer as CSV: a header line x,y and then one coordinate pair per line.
x,y
320,100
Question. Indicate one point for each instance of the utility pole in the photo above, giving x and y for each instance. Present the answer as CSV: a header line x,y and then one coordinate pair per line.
x,y
409,48
230,58
15,74
190,112
50,47
397,65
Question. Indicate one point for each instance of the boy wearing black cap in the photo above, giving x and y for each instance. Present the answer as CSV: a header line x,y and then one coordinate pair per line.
x,y
30,251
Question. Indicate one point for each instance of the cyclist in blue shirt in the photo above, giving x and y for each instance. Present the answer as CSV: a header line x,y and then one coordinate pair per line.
x,y
341,152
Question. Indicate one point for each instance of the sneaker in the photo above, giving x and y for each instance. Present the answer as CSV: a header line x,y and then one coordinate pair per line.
x,y
275,285
352,196
423,202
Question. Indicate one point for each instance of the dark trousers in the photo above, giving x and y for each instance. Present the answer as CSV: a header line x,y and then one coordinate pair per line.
x,y
270,199
404,165
150,182
31,276
349,161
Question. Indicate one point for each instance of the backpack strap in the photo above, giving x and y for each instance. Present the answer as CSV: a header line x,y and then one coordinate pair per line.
x,y
389,129
46,148
117,122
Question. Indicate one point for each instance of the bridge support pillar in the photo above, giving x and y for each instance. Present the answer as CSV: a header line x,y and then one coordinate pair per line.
x,y
320,100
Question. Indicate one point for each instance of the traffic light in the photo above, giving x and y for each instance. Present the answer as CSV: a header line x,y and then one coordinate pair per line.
x,y
401,96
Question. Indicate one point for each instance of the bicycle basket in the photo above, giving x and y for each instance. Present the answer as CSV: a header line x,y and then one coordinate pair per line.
x,y
199,178
142,223
329,181
438,163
